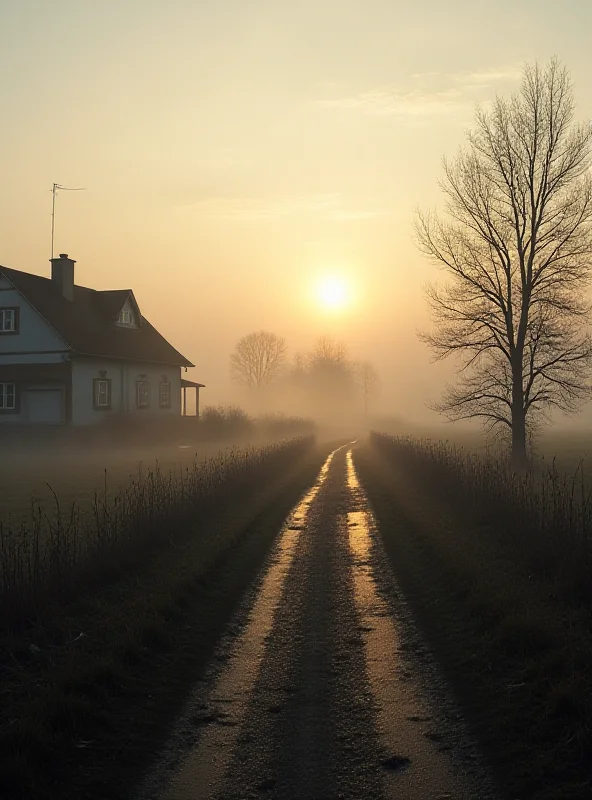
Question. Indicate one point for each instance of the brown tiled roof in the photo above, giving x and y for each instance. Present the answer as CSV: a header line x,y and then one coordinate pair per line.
x,y
87,323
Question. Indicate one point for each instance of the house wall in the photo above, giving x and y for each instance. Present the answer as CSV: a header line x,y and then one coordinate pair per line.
x,y
36,340
123,376
39,404
35,343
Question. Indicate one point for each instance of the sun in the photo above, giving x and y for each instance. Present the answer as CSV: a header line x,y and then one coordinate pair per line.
x,y
332,292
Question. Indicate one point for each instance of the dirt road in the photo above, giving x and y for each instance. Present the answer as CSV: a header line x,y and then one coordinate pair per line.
x,y
323,687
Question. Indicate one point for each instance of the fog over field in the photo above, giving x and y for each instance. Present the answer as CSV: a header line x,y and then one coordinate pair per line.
x,y
235,154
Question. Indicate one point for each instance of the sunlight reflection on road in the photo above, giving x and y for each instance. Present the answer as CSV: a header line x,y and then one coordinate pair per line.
x,y
420,763
202,773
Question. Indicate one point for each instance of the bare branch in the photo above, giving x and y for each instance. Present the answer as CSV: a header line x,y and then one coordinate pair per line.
x,y
517,251
258,359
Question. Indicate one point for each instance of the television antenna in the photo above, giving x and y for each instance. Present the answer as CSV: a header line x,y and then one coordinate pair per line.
x,y
54,191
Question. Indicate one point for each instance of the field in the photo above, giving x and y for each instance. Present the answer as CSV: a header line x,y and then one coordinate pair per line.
x,y
171,560
75,475
570,447
129,601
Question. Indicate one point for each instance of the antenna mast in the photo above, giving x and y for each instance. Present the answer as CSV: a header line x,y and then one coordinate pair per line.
x,y
54,190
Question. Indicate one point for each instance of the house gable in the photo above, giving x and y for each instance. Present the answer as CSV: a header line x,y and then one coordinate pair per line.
x,y
33,335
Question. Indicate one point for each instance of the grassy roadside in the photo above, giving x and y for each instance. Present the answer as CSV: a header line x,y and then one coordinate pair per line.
x,y
81,715
517,658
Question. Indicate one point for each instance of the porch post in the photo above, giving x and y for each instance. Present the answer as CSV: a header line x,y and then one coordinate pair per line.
x,y
184,401
197,402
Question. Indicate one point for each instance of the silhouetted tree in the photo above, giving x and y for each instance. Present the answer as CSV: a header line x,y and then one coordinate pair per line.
x,y
516,249
330,377
258,359
368,382
298,368
328,361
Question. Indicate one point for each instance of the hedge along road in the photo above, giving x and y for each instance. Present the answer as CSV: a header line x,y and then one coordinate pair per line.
x,y
322,687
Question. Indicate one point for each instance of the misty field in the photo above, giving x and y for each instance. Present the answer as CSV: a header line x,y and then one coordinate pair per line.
x,y
96,610
50,556
30,478
569,449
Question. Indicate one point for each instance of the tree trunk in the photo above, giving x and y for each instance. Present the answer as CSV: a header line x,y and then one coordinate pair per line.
x,y
518,459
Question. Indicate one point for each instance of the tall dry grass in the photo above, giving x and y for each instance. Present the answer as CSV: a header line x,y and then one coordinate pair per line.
x,y
544,517
55,558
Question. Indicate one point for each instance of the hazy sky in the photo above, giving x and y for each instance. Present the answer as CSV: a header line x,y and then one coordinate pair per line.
x,y
234,150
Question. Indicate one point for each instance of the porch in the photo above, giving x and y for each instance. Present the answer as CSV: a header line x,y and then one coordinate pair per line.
x,y
185,409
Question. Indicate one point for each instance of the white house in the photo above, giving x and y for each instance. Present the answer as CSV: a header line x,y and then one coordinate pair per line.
x,y
73,355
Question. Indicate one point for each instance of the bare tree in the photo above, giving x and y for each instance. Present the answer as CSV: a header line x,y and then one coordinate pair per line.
x,y
368,382
328,362
516,248
330,379
328,351
258,359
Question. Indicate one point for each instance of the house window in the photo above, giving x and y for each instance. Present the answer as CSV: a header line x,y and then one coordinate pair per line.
x,y
101,393
7,397
165,395
142,394
9,319
125,317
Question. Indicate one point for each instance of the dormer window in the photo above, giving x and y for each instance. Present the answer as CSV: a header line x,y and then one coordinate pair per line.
x,y
129,314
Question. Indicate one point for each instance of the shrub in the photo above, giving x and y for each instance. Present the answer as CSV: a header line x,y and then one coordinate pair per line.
x,y
225,421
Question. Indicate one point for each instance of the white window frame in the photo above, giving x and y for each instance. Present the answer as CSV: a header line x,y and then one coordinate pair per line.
x,y
143,394
7,320
4,396
99,395
164,394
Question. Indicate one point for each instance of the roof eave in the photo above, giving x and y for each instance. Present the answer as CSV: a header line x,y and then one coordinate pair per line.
x,y
184,363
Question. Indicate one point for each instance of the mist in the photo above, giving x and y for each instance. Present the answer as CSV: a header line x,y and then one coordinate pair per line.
x,y
312,162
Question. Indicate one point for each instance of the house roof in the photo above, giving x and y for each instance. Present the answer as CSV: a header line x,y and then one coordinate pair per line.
x,y
86,324
185,384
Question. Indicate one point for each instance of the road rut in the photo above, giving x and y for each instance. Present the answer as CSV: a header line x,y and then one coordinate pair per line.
x,y
323,687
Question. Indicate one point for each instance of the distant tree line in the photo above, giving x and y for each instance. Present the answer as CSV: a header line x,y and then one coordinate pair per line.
x,y
324,380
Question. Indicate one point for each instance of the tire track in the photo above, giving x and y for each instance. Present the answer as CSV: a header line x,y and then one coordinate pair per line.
x,y
221,712
422,763
309,731
320,697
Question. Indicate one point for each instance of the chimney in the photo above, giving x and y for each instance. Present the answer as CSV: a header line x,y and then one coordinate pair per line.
x,y
62,275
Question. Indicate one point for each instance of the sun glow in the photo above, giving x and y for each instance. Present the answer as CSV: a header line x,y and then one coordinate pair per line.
x,y
332,292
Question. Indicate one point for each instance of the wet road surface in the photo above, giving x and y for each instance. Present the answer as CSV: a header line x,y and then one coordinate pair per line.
x,y
323,688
